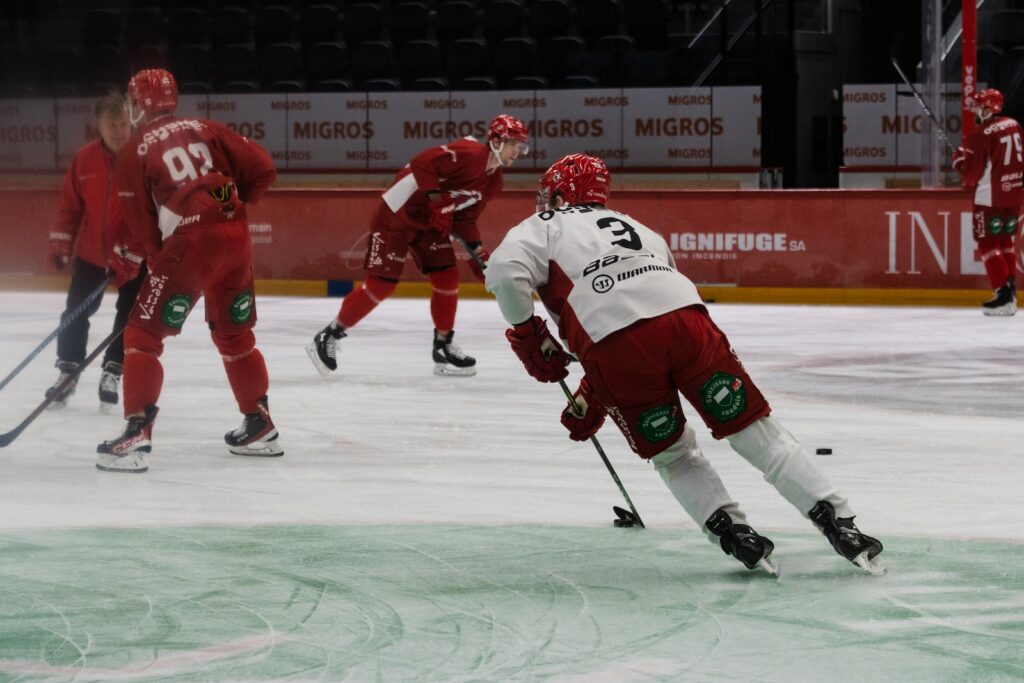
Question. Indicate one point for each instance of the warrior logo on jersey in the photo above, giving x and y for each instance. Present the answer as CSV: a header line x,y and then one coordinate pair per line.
x,y
724,396
602,283
176,310
241,308
657,424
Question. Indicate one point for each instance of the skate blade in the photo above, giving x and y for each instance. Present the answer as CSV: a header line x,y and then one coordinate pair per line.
x,y
58,405
1003,312
317,363
448,370
872,566
261,450
768,564
125,465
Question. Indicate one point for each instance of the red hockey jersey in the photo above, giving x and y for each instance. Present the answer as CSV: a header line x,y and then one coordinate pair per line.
x,y
994,165
89,209
168,169
459,166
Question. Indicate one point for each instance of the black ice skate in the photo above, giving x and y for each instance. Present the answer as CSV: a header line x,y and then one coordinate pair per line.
x,y
109,382
61,395
1004,303
449,358
323,350
257,435
847,539
743,543
125,453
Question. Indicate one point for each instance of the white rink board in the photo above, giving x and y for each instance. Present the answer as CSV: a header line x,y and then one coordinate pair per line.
x,y
76,125
28,134
670,127
579,120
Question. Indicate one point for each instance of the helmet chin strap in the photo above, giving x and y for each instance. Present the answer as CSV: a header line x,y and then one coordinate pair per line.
x,y
496,151
135,116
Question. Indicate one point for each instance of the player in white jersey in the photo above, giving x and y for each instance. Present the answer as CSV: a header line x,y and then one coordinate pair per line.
x,y
642,334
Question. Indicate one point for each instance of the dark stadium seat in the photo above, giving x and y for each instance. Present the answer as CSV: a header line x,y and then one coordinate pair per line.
x,y
100,27
647,21
239,87
281,62
363,21
599,18
147,57
502,19
579,81
318,23
431,84
1006,29
513,57
144,26
613,59
235,62
105,67
382,85
192,63
528,83
187,26
372,59
477,83
195,87
62,66
455,19
230,25
326,61
331,85
550,18
285,86
408,21
274,24
562,55
467,57
418,59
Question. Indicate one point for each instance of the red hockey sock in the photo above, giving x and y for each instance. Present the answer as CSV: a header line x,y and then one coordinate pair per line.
x,y
358,304
244,365
444,298
1011,263
995,267
143,372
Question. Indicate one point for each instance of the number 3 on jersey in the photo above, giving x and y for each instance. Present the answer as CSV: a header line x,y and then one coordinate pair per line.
x,y
632,242
180,163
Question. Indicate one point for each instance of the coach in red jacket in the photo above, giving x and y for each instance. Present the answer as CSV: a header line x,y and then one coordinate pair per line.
x,y
89,226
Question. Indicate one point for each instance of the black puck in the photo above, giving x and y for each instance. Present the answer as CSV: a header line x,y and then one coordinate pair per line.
x,y
823,451
623,522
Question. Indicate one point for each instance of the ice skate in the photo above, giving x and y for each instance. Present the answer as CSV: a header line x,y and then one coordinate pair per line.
x,y
323,350
1004,303
125,453
449,360
67,368
257,436
743,543
109,382
847,539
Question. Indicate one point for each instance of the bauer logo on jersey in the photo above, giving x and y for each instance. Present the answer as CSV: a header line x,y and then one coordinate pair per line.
x,y
241,308
658,424
724,396
176,310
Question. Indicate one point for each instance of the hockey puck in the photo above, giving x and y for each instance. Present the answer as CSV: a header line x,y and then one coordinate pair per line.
x,y
622,522
823,451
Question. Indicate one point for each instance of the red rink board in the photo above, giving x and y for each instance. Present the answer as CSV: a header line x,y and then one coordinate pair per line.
x,y
789,238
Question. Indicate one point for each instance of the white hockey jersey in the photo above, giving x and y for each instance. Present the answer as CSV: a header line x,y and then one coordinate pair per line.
x,y
596,271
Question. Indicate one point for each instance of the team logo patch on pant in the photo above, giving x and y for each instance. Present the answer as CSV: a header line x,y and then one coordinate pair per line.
x,y
657,424
241,307
724,396
995,225
176,310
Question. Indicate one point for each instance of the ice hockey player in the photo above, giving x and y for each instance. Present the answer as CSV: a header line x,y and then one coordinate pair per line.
x,y
991,162
184,184
441,192
89,223
642,334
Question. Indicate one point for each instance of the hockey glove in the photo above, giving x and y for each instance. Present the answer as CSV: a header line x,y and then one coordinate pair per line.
x,y
444,204
59,252
125,265
478,258
542,355
587,418
959,157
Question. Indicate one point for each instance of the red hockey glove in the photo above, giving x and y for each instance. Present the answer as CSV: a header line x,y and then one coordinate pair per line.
x,y
588,417
444,204
125,265
478,258
542,355
959,157
59,252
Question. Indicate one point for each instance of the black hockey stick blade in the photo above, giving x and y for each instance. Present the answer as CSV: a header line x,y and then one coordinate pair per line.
x,y
625,518
7,438
64,324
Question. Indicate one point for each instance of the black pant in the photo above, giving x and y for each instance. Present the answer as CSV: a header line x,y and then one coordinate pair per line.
x,y
85,278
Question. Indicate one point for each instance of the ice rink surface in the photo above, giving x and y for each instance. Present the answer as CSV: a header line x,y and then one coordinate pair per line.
x,y
422,528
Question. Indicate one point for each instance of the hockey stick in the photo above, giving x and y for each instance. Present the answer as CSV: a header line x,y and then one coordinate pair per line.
x,y
920,100
6,439
625,518
64,324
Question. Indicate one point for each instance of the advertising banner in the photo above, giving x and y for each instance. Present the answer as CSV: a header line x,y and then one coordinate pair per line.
x,y
28,135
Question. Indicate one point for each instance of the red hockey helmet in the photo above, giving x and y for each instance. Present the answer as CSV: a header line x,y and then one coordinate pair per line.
x,y
989,97
508,127
152,91
577,179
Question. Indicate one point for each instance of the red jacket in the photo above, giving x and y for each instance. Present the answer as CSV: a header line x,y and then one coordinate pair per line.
x,y
89,209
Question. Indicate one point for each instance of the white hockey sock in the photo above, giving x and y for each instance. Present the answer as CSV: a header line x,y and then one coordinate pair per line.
x,y
694,483
785,464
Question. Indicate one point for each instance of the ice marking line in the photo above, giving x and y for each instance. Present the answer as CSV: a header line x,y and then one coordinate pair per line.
x,y
624,672
170,665
933,620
